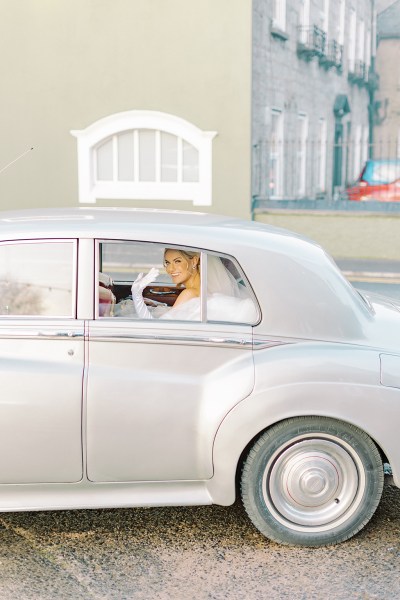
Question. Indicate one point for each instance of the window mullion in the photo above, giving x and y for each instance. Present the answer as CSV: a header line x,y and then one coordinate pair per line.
x,y
115,158
203,286
158,156
135,155
95,166
180,160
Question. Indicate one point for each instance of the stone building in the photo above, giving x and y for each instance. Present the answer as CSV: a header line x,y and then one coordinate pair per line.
x,y
311,65
387,97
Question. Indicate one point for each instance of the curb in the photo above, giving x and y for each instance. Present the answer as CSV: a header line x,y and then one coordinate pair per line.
x,y
384,277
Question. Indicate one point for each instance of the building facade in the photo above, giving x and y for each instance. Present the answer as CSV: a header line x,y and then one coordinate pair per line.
x,y
143,103
182,104
387,97
311,68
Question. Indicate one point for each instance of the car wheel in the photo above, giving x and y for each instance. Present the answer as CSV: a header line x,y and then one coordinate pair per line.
x,y
312,481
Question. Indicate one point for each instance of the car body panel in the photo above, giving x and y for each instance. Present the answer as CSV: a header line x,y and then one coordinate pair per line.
x,y
162,422
325,380
41,371
86,495
118,412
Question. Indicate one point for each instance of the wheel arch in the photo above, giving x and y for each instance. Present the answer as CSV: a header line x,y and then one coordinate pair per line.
x,y
255,415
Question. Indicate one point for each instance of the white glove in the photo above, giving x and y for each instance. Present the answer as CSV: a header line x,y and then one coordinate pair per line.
x,y
138,286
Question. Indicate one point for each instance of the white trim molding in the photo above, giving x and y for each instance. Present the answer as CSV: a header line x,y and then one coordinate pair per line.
x,y
196,188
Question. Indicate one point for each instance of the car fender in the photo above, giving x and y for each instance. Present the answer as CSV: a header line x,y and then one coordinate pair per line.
x,y
343,385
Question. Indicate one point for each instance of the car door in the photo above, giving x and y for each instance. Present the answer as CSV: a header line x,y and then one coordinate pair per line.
x,y
158,390
41,363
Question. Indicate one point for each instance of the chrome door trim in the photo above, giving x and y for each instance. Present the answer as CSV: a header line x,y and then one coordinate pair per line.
x,y
29,334
230,342
262,344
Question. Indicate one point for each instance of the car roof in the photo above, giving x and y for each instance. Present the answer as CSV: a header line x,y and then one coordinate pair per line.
x,y
85,219
120,223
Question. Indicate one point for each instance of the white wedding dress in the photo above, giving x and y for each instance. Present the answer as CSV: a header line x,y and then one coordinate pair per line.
x,y
227,300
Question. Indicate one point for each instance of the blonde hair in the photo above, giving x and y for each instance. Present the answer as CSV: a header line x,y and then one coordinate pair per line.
x,y
185,253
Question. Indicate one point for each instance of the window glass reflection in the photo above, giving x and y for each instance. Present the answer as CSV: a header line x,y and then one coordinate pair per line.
x,y
171,287
36,279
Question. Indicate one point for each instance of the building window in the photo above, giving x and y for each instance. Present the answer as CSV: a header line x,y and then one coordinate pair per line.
x,y
304,21
279,14
325,16
368,50
352,40
276,155
301,154
341,22
357,151
361,41
145,155
321,155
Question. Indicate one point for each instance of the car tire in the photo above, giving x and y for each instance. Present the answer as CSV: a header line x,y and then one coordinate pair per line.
x,y
312,481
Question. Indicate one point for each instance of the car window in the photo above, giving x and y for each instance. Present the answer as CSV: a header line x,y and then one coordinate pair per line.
x,y
385,172
191,284
36,279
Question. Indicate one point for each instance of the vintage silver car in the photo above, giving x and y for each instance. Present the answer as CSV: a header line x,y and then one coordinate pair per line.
x,y
282,381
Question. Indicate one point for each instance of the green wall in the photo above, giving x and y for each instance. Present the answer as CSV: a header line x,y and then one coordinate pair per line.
x,y
68,63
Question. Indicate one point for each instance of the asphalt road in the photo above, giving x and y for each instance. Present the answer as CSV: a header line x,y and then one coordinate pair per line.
x,y
190,553
392,290
379,276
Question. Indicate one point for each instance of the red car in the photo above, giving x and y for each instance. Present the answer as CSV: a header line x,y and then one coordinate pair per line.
x,y
379,180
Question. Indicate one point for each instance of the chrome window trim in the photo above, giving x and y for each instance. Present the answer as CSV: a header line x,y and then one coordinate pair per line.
x,y
203,287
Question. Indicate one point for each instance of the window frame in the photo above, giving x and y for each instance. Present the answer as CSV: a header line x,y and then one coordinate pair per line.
x,y
88,139
203,284
352,39
360,41
341,22
301,153
279,15
322,139
304,20
357,151
276,154
325,17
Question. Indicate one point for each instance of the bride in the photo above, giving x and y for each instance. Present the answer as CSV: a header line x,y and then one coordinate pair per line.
x,y
227,300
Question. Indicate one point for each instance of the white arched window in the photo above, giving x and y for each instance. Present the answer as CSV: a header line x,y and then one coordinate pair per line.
x,y
144,155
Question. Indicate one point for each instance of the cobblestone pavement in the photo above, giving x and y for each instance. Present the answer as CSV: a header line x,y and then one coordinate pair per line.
x,y
190,553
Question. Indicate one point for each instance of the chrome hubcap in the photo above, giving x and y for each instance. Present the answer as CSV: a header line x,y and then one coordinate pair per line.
x,y
313,483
